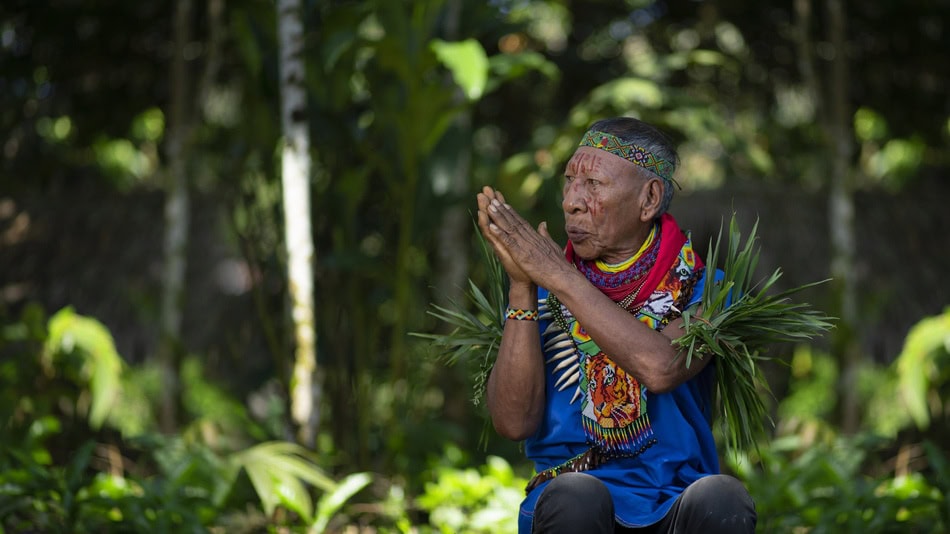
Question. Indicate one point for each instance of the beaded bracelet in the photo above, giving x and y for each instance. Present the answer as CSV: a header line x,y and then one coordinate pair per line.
x,y
521,315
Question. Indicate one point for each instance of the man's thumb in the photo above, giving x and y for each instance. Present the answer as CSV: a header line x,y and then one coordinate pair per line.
x,y
543,229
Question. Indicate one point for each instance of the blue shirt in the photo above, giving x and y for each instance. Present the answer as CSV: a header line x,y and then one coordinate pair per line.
x,y
643,487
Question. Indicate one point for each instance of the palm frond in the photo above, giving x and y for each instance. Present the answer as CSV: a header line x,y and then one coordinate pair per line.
x,y
474,337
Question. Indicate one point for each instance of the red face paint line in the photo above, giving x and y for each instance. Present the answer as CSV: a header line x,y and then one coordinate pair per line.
x,y
583,164
594,207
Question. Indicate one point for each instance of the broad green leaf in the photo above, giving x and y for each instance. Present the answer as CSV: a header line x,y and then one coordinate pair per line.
x,y
467,62
102,365
926,349
333,500
278,471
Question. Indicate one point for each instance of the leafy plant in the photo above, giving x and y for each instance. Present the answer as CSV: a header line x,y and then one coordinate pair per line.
x,y
737,323
279,470
38,495
69,366
474,336
470,500
821,487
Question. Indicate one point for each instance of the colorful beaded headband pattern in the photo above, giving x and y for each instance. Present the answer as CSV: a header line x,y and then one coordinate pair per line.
x,y
630,152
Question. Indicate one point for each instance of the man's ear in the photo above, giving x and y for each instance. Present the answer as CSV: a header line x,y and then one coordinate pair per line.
x,y
650,199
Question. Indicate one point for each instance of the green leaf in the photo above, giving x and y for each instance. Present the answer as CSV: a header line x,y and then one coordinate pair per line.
x,y
926,350
333,500
468,63
101,366
278,470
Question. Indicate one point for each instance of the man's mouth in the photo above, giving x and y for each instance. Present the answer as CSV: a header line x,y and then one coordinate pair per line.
x,y
576,234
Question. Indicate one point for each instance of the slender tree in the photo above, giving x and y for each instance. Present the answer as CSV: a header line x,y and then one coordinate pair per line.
x,y
841,218
176,218
295,177
836,113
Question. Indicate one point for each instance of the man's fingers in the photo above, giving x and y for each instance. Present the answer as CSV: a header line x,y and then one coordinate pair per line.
x,y
498,210
504,216
543,230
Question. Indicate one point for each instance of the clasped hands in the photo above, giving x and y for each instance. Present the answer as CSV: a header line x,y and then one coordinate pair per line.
x,y
528,255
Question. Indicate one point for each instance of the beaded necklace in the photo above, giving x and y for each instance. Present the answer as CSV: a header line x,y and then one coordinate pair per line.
x,y
624,281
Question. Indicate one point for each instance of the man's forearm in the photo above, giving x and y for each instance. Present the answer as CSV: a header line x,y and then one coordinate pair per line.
x,y
641,351
515,388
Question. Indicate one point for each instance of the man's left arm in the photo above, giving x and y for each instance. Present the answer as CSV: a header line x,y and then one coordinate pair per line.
x,y
647,354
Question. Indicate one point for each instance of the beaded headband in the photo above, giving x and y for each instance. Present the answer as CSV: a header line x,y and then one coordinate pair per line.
x,y
630,152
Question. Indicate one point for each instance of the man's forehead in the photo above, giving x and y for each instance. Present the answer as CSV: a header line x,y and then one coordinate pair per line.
x,y
588,159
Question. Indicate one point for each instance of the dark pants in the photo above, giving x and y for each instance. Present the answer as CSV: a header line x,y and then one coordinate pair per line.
x,y
578,502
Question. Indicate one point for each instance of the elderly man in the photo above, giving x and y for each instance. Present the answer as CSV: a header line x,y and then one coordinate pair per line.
x,y
619,432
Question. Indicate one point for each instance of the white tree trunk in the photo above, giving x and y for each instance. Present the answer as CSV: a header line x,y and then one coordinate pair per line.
x,y
176,220
295,176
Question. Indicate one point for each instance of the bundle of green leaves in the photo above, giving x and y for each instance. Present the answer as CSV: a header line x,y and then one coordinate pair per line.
x,y
737,322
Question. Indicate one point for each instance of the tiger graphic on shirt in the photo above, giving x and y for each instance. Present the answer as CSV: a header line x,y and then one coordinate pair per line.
x,y
612,392
614,402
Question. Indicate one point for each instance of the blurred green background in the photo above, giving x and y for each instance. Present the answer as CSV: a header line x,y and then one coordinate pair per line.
x,y
828,121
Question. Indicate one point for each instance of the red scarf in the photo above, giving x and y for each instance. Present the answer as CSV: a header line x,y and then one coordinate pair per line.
x,y
671,240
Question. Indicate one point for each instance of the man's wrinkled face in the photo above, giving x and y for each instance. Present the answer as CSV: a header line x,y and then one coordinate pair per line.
x,y
602,205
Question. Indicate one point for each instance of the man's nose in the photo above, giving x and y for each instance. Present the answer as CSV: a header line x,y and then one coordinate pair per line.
x,y
573,199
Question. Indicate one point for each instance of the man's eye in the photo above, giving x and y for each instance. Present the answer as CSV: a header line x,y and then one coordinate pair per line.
x,y
591,181
568,179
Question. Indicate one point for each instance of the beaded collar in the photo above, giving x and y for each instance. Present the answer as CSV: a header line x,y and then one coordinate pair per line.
x,y
606,276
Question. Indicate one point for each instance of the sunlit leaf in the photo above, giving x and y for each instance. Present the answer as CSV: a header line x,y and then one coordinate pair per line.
x,y
149,125
869,125
467,62
926,349
278,471
331,502
70,332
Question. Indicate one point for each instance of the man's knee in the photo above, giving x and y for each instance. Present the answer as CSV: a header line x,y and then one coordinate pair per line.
x,y
719,502
574,501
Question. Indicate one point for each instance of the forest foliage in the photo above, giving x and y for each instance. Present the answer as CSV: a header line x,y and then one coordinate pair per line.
x,y
413,105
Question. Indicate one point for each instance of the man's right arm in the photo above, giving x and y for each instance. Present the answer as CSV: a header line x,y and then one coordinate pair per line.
x,y
515,389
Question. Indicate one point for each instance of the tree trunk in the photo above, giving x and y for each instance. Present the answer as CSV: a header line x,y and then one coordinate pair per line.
x,y
841,220
295,176
452,270
176,220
